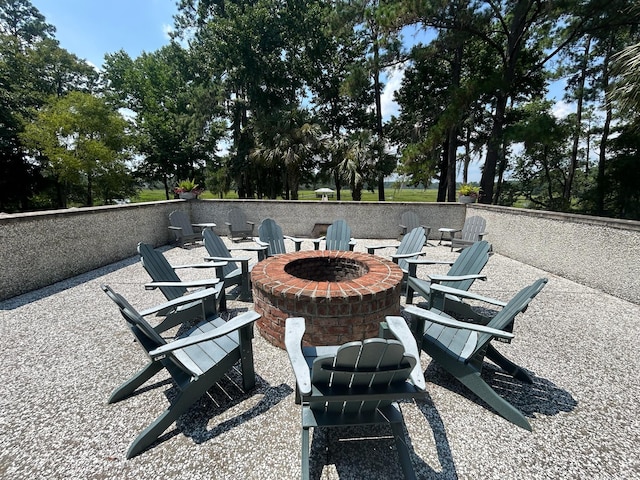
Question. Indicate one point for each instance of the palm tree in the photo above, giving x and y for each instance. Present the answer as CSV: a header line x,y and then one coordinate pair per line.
x,y
626,90
357,162
291,144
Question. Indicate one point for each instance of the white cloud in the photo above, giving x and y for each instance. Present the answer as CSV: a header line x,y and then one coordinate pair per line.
x,y
167,30
393,82
562,109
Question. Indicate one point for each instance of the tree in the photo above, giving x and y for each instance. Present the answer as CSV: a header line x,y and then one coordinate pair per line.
x,y
82,144
176,109
292,144
32,67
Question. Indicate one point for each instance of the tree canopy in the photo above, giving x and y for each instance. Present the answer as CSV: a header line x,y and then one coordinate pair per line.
x,y
264,97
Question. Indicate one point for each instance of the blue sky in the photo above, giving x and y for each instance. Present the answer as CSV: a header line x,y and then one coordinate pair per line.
x,y
92,28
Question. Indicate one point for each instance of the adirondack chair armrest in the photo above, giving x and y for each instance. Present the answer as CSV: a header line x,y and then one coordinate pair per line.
x,y
400,330
426,261
294,331
202,265
176,302
451,322
371,249
261,247
316,242
407,255
467,294
190,284
455,278
225,260
236,323
296,240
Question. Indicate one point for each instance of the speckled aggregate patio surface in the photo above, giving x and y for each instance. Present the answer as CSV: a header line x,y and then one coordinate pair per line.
x,y
65,347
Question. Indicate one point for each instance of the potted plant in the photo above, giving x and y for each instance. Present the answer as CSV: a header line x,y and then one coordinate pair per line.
x,y
468,193
188,189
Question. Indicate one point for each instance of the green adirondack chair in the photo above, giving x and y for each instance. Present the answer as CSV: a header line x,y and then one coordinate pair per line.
x,y
463,272
408,221
472,231
184,230
338,237
196,360
165,278
239,227
460,347
409,248
357,383
230,273
270,235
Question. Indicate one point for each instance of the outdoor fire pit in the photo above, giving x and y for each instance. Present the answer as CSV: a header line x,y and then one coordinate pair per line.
x,y
342,295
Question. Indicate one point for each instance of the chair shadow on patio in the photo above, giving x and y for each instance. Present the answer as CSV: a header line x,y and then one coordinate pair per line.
x,y
367,451
227,406
543,396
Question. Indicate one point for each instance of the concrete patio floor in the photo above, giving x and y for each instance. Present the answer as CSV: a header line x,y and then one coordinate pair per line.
x,y
65,347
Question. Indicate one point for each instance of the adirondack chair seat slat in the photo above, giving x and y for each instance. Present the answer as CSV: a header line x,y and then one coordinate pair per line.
x,y
201,357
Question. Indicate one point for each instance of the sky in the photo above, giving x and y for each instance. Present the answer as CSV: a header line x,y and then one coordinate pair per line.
x,y
92,28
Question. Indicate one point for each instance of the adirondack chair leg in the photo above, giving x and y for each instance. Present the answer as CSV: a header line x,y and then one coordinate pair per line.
x,y
507,365
186,398
131,385
245,288
472,379
409,294
477,385
401,445
305,453
246,358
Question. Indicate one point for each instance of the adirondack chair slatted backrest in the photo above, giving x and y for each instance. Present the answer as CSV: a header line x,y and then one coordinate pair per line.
x,y
504,319
468,346
411,242
472,228
148,338
270,233
338,236
471,261
409,220
178,218
238,224
160,270
372,365
216,248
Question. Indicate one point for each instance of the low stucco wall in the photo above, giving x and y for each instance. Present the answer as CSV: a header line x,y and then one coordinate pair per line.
x,y
297,218
41,248
602,253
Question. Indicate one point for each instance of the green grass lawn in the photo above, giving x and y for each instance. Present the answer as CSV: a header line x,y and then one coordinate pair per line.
x,y
391,195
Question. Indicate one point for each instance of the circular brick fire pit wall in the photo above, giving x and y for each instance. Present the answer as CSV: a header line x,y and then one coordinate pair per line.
x,y
342,295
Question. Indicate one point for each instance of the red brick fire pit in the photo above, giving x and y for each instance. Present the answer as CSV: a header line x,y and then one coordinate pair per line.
x,y
342,295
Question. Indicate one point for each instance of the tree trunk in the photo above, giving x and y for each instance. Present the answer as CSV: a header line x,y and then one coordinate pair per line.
x,y
602,158
573,165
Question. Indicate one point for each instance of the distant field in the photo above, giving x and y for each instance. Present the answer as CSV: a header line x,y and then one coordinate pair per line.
x,y
391,195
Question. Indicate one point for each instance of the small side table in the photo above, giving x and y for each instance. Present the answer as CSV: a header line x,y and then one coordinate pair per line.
x,y
450,231
204,225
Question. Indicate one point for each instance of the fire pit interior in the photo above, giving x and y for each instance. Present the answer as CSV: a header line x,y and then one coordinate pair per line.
x,y
342,295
